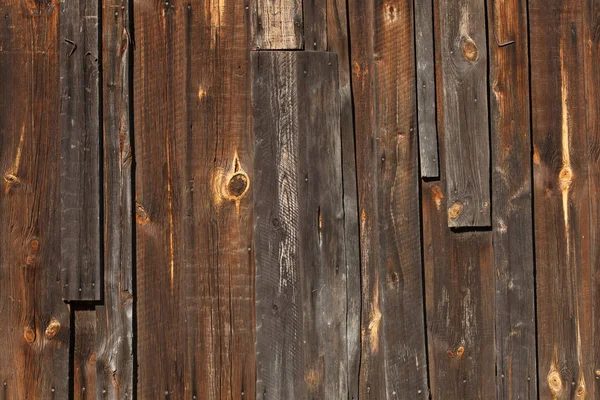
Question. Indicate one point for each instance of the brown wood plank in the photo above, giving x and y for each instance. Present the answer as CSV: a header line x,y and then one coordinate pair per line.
x,y
511,196
34,321
459,283
464,66
276,24
114,326
299,227
80,149
193,180
561,200
393,361
326,24
84,355
428,143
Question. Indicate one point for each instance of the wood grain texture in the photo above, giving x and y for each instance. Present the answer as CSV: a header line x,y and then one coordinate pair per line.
x,y
428,143
383,84
561,201
511,194
276,24
299,227
114,326
465,92
34,321
84,355
459,290
193,181
80,148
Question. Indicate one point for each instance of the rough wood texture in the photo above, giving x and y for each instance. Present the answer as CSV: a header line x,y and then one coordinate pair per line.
x,y
276,24
80,148
428,142
115,317
511,194
383,84
465,93
561,200
84,355
299,227
34,321
193,181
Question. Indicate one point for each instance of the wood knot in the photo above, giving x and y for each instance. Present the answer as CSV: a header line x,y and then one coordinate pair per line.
x,y
459,352
52,329
237,185
29,334
391,14
455,210
450,353
437,195
92,359
469,49
141,215
565,178
34,245
554,382
11,179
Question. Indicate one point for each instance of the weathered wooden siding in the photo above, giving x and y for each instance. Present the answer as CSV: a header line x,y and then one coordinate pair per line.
x,y
286,199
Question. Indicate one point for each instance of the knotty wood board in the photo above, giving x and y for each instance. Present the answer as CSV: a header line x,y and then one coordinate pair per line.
x,y
299,227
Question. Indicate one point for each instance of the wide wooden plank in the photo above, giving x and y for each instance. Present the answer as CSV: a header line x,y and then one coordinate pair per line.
x,y
463,49
326,27
80,148
393,361
276,24
511,195
34,321
428,143
561,200
299,227
84,355
114,325
193,181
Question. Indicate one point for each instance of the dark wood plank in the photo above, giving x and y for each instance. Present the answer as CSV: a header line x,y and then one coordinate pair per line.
x,y
561,200
464,66
80,149
326,24
383,84
511,195
428,143
193,181
459,284
299,227
84,355
276,24
115,317
34,321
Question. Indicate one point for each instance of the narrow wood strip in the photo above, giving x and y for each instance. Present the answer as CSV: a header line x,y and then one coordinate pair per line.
x,y
465,93
276,24
299,227
80,148
85,377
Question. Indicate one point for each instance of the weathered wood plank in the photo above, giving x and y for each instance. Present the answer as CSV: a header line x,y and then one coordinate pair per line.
x,y
511,196
464,66
561,200
84,355
326,24
428,143
299,227
276,24
80,149
115,317
193,180
383,85
34,321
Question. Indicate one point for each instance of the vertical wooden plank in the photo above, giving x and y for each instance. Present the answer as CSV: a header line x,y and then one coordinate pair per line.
x,y
383,84
276,24
84,355
459,283
561,199
34,321
511,194
428,143
326,27
115,317
464,66
299,227
80,149
193,181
